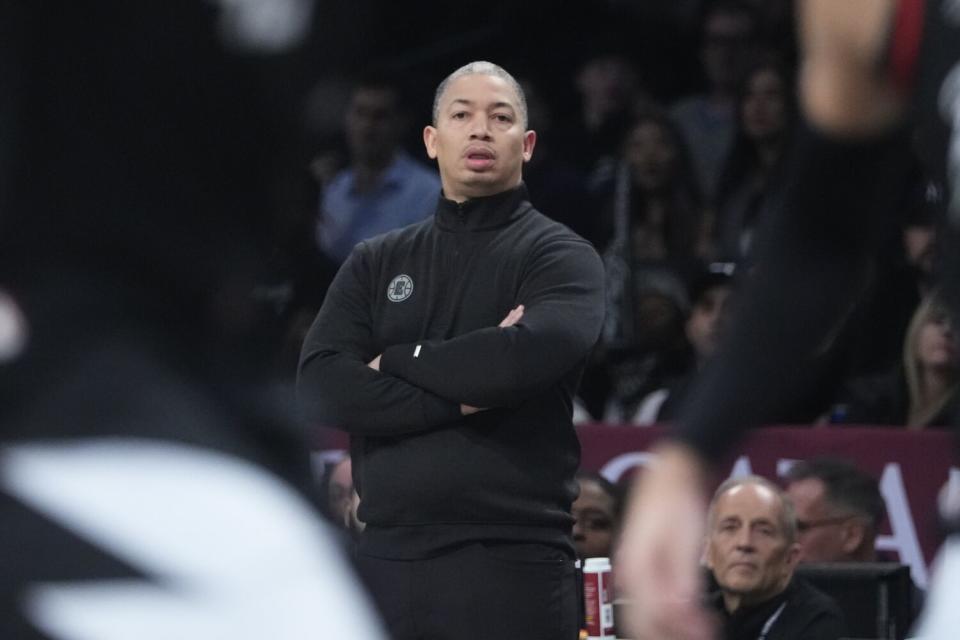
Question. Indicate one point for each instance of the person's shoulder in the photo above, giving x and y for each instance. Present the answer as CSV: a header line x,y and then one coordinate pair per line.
x,y
552,231
551,240
814,608
687,106
394,238
339,185
810,597
416,169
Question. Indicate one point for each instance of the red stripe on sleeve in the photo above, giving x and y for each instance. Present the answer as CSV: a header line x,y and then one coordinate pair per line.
x,y
905,43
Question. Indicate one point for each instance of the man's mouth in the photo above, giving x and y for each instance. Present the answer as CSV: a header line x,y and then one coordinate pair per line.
x,y
479,159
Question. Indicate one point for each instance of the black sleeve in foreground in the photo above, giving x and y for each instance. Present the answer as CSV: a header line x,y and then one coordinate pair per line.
x,y
813,264
336,388
562,294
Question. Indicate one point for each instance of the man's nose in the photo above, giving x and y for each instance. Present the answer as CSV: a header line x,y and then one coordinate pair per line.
x,y
744,539
577,529
480,128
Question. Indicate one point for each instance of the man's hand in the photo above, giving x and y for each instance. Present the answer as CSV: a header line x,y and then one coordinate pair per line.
x,y
512,318
842,90
657,564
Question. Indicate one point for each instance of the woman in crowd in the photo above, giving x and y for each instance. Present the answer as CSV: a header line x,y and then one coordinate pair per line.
x,y
651,246
922,391
750,180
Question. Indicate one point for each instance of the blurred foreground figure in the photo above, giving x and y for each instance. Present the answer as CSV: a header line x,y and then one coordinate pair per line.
x,y
863,63
149,488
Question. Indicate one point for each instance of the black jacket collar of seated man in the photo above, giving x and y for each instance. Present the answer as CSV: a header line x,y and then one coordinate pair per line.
x,y
747,622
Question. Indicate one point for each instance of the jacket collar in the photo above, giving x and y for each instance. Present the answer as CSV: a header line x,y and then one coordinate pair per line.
x,y
487,212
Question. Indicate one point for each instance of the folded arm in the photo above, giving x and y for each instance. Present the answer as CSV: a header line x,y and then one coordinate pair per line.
x,y
335,387
562,298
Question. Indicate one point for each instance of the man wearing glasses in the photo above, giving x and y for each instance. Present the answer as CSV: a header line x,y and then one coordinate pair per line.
x,y
839,510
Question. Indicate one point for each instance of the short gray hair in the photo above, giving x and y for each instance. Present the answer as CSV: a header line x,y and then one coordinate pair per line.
x,y
788,516
481,67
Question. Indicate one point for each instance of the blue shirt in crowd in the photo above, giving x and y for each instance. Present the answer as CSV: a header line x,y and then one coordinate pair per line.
x,y
407,192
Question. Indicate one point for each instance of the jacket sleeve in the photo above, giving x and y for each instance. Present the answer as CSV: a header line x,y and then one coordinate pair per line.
x,y
336,388
562,294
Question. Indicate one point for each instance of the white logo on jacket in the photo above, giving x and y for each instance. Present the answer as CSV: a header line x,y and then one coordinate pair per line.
x,y
400,288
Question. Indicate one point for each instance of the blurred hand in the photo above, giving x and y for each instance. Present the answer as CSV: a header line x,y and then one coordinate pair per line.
x,y
657,563
512,318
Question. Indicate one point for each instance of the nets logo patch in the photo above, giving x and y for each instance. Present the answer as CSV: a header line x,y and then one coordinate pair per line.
x,y
400,288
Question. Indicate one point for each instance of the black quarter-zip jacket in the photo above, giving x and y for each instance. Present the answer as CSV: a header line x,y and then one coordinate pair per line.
x,y
429,297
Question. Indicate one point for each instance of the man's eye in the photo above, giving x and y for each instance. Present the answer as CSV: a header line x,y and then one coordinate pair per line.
x,y
459,115
597,524
501,117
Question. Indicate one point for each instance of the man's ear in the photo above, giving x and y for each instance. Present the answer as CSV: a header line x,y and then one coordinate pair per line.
x,y
430,141
706,557
793,556
854,531
529,142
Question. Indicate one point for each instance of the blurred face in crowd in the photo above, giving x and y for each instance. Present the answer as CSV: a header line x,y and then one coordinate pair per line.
x,y
748,550
919,244
593,527
727,47
825,533
373,126
764,105
658,320
936,341
652,154
608,84
706,320
479,140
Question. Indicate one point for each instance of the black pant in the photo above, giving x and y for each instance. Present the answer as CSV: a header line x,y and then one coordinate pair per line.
x,y
481,591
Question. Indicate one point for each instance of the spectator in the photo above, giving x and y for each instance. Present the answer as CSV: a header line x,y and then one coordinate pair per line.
x,y
652,245
922,390
596,513
610,91
839,513
752,551
555,183
728,32
383,188
839,510
657,351
709,308
654,221
750,181
654,212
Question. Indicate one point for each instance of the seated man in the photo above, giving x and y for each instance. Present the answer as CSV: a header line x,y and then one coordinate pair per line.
x,y
839,510
752,551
